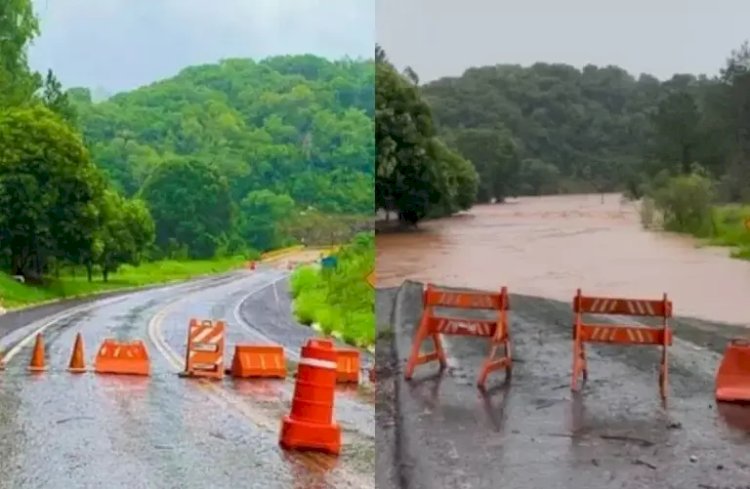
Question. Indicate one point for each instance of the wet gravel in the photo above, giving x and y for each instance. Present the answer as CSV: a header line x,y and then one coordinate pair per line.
x,y
533,432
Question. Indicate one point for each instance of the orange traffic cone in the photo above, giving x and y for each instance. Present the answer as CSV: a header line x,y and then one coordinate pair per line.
x,y
37,358
77,363
310,424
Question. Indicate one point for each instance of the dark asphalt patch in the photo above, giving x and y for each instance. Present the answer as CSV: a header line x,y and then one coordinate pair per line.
x,y
535,433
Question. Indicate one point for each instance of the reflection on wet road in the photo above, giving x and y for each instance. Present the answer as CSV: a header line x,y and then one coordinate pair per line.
x,y
550,246
91,431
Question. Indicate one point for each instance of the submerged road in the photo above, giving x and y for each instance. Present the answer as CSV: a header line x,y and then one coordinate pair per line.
x,y
440,431
90,431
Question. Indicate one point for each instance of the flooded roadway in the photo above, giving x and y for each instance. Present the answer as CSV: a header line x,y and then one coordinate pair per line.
x,y
90,431
549,246
440,431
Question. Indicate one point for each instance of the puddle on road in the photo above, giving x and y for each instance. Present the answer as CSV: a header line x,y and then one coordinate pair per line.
x,y
549,246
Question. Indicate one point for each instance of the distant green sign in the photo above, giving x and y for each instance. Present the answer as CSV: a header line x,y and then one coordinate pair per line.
x,y
329,262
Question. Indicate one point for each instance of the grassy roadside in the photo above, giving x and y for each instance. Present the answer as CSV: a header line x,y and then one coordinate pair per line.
x,y
15,295
728,222
339,300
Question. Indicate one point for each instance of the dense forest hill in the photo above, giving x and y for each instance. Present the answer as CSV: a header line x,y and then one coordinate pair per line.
x,y
221,160
550,128
554,128
286,134
295,125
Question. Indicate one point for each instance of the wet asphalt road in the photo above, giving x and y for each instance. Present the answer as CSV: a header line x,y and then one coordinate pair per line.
x,y
90,431
441,432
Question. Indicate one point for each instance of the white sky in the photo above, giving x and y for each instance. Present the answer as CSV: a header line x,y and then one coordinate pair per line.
x,y
661,37
122,44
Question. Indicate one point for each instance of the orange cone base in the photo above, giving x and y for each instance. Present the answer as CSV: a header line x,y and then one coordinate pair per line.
x,y
76,370
298,435
37,369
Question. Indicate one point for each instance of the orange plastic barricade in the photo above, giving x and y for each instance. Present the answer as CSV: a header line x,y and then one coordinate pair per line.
x,y
622,334
733,376
258,361
117,357
205,349
430,326
310,424
347,365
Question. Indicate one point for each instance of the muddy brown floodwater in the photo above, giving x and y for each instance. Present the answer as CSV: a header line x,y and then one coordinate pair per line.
x,y
549,246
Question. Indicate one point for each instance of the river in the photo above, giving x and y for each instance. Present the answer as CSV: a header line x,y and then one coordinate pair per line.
x,y
549,246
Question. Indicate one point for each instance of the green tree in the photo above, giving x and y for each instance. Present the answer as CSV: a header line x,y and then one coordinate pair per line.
x,y
49,188
263,215
56,99
538,177
190,204
18,26
126,230
414,174
495,157
677,119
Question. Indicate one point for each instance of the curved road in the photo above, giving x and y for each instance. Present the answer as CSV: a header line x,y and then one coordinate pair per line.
x,y
163,431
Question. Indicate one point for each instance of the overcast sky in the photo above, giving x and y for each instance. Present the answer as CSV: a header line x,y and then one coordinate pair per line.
x,y
661,37
122,44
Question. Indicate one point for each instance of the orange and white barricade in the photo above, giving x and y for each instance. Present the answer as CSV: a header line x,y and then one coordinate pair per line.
x,y
432,325
621,334
122,357
205,349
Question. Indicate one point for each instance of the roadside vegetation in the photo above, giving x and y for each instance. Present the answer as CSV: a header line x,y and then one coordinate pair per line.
x,y
338,299
70,285
220,161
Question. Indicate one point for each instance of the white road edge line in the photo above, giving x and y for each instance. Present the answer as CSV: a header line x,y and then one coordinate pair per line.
x,y
260,336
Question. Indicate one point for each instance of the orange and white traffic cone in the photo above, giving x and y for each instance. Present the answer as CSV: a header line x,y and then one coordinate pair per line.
x,y
310,424
77,364
37,358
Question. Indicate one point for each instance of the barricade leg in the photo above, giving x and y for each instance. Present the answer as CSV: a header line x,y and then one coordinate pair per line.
x,y
663,372
416,359
579,363
491,363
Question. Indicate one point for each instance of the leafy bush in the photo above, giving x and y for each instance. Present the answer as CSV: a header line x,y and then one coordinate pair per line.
x,y
685,203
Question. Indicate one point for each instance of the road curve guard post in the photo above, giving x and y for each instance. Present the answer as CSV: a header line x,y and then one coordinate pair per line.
x,y
205,349
310,424
119,357
621,334
497,330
